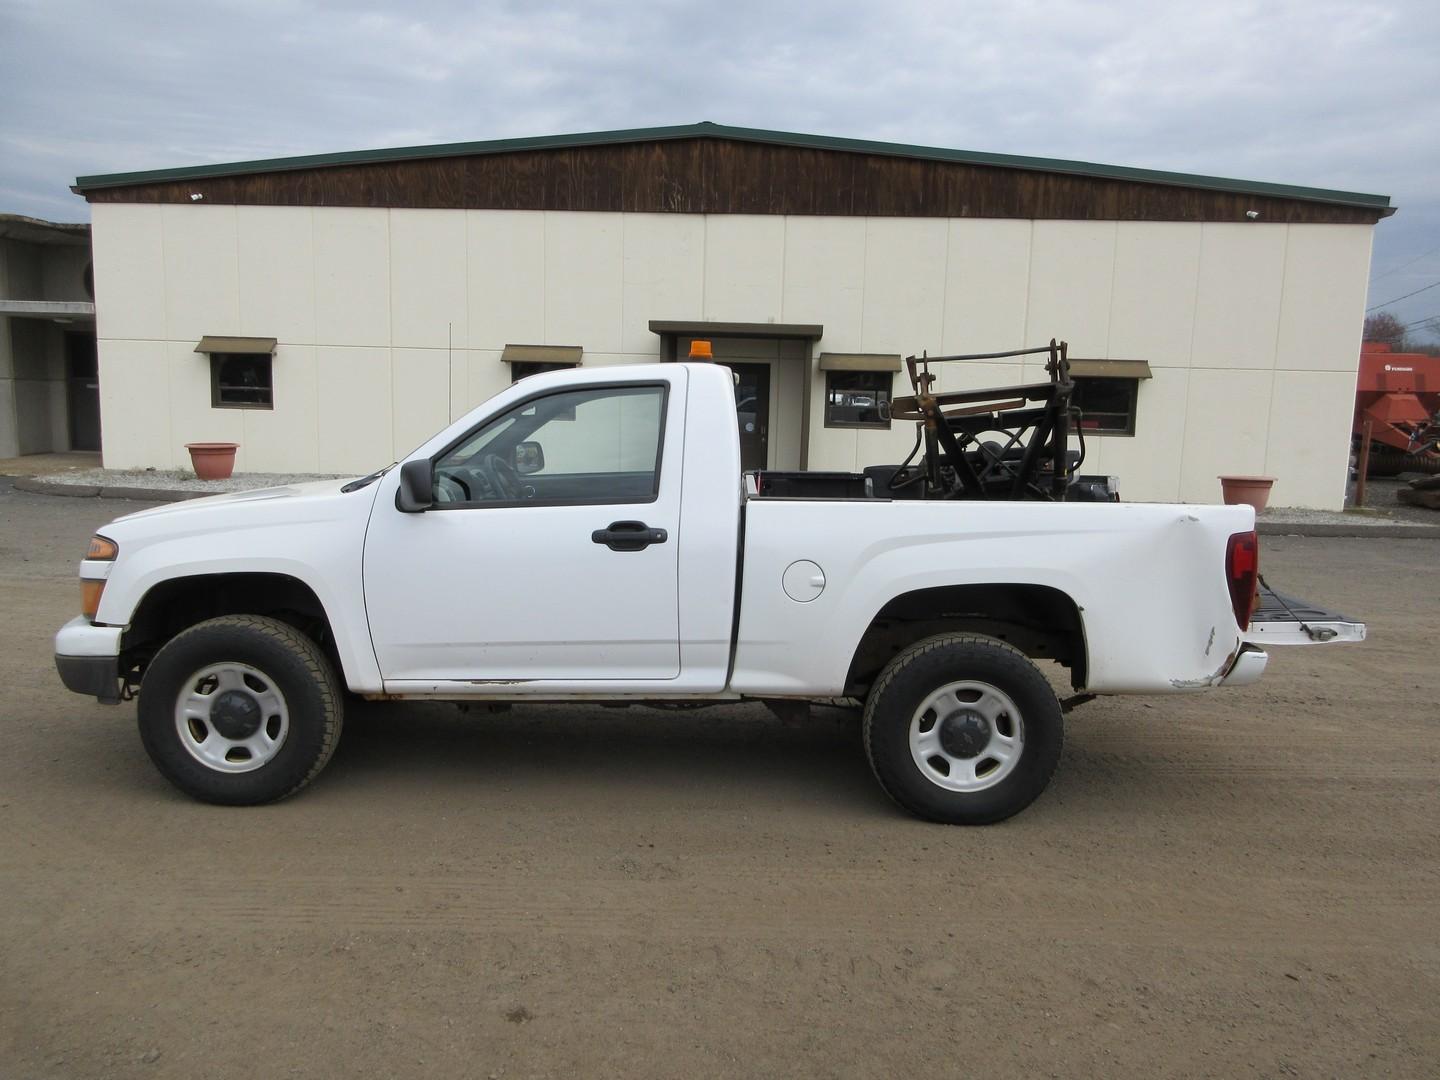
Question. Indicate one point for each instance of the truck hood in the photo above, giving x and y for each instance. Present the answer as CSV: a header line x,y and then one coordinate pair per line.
x,y
243,513
312,490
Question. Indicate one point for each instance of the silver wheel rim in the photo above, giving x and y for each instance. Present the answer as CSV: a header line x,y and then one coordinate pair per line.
x,y
967,736
231,717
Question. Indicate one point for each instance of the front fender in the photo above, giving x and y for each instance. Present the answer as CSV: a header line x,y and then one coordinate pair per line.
x,y
317,542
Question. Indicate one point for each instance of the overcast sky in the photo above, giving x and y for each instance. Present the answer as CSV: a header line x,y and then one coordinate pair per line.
x,y
1338,95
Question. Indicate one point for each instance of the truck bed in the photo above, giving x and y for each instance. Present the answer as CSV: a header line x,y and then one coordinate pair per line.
x,y
877,482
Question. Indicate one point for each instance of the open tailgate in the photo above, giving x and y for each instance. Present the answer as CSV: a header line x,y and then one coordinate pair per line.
x,y
1285,620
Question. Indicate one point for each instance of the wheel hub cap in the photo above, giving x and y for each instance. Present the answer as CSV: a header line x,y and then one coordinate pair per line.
x,y
964,733
231,717
236,714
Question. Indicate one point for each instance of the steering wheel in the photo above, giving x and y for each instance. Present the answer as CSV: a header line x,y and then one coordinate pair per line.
x,y
502,477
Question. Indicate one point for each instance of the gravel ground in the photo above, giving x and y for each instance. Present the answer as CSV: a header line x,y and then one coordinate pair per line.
x,y
180,480
1380,494
1241,883
1382,507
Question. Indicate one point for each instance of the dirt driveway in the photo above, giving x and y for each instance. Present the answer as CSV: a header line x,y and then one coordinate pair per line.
x,y
1245,883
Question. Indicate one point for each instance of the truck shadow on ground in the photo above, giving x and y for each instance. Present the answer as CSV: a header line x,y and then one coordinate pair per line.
x,y
705,752
738,753
727,757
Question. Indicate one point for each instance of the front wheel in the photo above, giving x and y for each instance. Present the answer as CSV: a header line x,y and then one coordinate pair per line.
x,y
963,729
240,710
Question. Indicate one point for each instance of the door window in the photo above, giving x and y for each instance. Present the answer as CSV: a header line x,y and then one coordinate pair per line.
x,y
594,445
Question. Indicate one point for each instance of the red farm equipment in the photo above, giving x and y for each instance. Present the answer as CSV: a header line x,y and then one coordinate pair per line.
x,y
1397,398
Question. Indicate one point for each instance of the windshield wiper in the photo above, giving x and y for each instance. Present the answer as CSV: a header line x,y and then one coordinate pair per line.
x,y
365,481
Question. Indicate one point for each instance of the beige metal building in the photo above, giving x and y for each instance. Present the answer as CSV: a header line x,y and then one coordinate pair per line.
x,y
328,313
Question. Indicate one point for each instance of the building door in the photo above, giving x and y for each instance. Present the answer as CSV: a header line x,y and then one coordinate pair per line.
x,y
774,383
752,407
82,378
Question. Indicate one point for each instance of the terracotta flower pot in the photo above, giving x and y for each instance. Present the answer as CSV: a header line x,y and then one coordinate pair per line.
x,y
1254,490
213,460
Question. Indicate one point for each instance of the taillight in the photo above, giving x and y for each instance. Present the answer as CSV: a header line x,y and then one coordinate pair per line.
x,y
1242,571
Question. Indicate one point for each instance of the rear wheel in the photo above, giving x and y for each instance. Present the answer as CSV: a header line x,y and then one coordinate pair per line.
x,y
963,729
240,710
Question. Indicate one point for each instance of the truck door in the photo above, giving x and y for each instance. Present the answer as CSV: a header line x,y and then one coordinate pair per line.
x,y
551,550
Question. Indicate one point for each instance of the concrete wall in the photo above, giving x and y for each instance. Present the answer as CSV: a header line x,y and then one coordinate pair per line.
x,y
37,387
392,321
33,416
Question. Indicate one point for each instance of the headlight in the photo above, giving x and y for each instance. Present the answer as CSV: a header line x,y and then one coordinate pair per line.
x,y
102,549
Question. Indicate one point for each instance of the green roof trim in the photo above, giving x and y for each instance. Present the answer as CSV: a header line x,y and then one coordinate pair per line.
x,y
708,130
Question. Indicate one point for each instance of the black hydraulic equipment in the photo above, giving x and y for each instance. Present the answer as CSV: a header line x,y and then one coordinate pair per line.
x,y
1005,443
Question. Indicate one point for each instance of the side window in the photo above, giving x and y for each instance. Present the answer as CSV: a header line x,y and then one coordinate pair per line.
x,y
523,369
241,381
858,398
1107,406
575,446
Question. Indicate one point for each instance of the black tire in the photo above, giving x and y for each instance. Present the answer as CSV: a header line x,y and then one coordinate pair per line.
x,y
288,664
923,669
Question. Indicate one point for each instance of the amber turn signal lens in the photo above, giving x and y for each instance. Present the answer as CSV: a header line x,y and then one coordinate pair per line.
x,y
90,596
102,549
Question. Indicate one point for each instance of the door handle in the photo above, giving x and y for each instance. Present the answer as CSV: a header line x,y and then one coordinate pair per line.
x,y
628,536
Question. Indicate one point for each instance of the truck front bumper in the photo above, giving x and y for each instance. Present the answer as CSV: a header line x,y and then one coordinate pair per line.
x,y
88,659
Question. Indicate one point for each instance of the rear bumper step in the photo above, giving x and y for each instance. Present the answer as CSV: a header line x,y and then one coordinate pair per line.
x,y
1287,620
1248,667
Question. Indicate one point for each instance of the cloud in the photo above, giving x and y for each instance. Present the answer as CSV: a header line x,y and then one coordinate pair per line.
x,y
1326,94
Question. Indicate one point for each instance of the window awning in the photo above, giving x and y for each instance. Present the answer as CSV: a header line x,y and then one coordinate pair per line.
x,y
836,361
542,354
1111,369
215,344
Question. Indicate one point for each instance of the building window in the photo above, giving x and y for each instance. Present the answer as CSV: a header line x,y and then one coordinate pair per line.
x,y
241,381
523,369
858,398
1107,406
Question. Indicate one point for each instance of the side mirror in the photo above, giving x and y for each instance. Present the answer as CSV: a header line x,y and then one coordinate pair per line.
x,y
416,492
529,458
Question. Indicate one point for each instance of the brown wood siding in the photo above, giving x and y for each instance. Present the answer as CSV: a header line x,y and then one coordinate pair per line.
x,y
723,176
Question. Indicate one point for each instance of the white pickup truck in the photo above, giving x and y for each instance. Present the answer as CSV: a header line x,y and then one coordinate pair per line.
x,y
587,536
